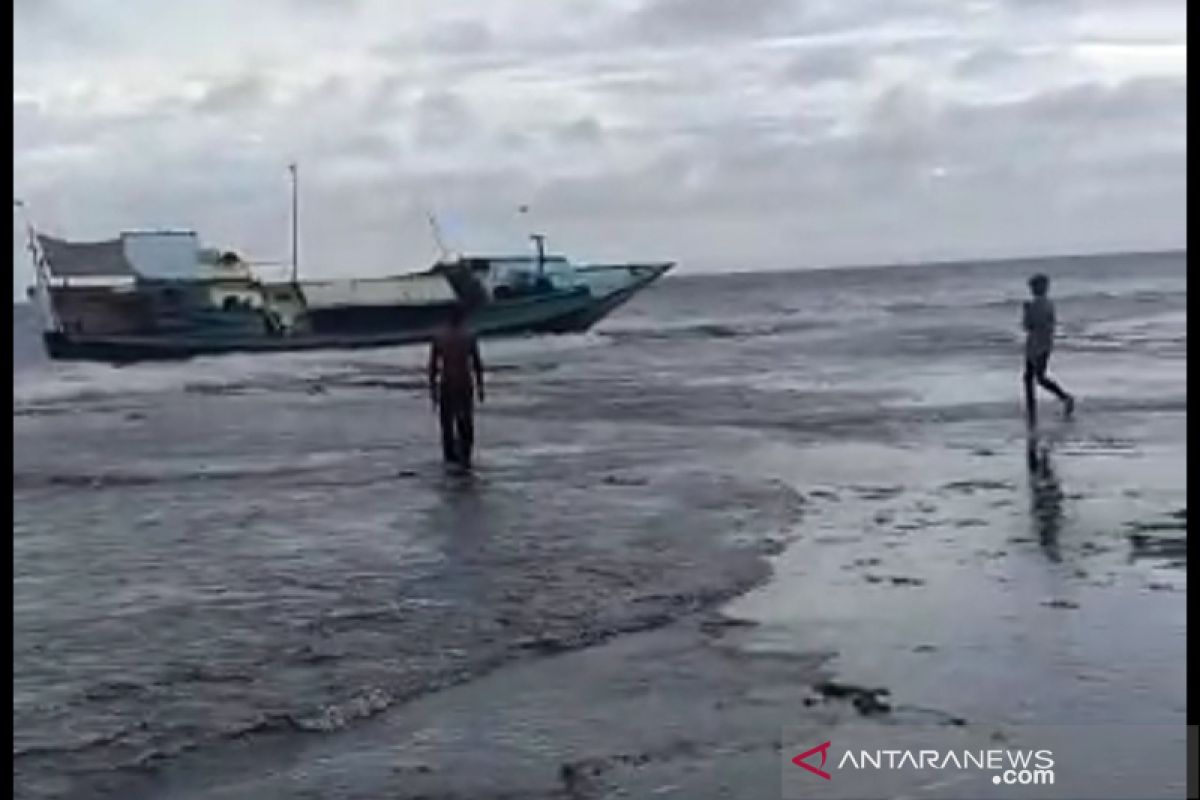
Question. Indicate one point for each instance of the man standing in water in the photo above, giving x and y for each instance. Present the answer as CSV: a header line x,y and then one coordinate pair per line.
x,y
455,374
1038,321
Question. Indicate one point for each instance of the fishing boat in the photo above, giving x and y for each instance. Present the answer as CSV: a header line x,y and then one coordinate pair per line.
x,y
160,295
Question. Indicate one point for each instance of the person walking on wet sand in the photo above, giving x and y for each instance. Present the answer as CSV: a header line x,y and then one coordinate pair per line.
x,y
1038,321
455,375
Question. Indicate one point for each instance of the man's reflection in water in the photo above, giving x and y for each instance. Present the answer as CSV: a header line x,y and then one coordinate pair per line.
x,y
1046,496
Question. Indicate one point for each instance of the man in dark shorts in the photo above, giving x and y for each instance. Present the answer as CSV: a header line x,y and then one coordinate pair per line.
x,y
1038,321
455,374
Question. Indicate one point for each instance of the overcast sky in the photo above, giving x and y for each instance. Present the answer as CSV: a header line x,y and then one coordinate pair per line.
x,y
727,135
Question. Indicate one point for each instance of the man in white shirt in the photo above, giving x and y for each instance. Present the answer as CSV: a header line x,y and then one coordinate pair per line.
x,y
1038,321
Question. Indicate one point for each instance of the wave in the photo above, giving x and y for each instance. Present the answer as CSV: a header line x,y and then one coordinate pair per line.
x,y
60,387
1011,301
144,747
83,382
158,475
743,327
1168,328
96,742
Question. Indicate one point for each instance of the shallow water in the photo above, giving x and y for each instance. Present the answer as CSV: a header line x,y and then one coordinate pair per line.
x,y
237,551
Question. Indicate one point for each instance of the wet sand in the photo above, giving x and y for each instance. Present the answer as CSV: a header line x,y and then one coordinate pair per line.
x,y
938,565
254,579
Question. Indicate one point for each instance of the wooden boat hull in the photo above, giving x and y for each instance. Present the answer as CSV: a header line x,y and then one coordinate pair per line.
x,y
573,311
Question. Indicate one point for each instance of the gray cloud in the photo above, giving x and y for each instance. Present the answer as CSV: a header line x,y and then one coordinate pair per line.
x,y
769,133
239,93
709,19
813,65
987,60
443,118
339,6
459,36
584,131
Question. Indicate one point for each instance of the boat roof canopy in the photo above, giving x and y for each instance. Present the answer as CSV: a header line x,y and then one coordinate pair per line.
x,y
105,259
166,255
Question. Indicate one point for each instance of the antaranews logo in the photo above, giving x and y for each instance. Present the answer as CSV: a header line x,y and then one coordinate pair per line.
x,y
800,760
1009,767
868,760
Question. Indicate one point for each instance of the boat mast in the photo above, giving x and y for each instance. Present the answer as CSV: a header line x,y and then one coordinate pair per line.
x,y
292,168
539,239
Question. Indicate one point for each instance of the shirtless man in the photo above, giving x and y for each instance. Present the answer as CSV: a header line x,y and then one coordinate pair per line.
x,y
455,374
1038,321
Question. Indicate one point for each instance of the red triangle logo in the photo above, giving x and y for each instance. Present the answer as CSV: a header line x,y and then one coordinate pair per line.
x,y
823,750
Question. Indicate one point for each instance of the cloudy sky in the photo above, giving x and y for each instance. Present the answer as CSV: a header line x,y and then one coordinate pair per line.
x,y
727,135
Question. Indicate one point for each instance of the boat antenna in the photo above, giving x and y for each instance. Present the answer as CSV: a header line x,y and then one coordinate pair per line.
x,y
437,235
294,170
